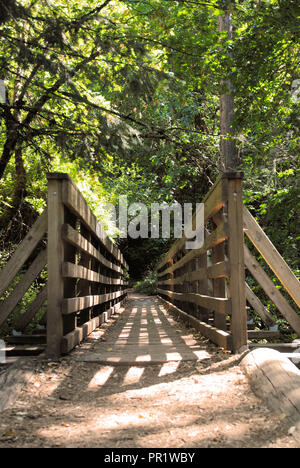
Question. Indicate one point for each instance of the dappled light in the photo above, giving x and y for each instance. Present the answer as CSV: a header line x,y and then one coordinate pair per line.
x,y
144,334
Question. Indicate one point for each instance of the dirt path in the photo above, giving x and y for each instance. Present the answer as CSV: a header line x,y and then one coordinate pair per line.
x,y
177,404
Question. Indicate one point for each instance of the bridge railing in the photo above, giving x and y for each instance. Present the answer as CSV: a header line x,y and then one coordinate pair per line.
x,y
207,285
26,264
85,268
287,306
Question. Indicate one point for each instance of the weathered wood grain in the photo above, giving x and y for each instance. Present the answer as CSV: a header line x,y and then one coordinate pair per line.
x,y
16,295
270,289
271,256
23,252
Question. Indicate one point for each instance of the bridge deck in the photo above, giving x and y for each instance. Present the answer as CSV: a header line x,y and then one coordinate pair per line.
x,y
145,334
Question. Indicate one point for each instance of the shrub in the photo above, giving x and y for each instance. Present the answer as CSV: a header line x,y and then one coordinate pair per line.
x,y
148,284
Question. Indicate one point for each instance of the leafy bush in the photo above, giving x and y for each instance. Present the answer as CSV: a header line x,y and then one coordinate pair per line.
x,y
148,284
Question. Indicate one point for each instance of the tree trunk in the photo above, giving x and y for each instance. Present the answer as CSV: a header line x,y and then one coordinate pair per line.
x,y
6,219
229,160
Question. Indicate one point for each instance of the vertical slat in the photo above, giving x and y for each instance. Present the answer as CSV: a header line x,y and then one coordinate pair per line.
x,y
23,252
55,255
218,255
236,259
69,255
272,256
84,286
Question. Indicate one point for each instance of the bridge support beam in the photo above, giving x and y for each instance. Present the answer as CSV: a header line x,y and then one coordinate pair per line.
x,y
55,255
236,259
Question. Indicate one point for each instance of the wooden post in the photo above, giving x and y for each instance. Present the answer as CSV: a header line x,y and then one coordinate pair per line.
x,y
56,217
236,259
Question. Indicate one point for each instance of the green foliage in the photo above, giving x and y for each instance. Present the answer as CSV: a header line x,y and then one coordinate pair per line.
x,y
148,285
124,96
29,296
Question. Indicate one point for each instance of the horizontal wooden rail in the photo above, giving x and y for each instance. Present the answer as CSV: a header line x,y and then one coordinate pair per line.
x,y
213,202
75,337
221,337
271,256
72,198
23,252
213,239
272,292
218,270
76,304
219,304
77,240
199,289
69,270
23,285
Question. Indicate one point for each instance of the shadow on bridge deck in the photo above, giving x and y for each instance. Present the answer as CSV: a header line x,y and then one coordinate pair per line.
x,y
144,334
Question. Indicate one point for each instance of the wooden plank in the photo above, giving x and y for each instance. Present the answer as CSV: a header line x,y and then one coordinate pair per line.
x,y
33,271
219,337
214,199
32,310
73,199
258,307
236,259
75,238
262,334
213,202
75,304
75,337
272,292
281,347
26,339
69,270
221,305
24,350
217,270
214,238
72,339
272,256
23,252
56,215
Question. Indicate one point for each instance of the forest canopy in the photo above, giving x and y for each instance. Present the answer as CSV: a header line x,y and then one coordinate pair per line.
x,y
125,97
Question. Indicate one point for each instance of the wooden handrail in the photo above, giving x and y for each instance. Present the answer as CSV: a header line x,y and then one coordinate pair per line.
x,y
271,255
23,285
185,276
23,252
85,268
272,292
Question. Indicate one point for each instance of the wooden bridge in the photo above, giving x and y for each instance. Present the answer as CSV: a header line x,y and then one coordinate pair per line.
x,y
87,283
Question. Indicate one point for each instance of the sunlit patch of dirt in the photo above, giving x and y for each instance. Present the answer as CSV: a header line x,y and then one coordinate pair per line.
x,y
177,404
